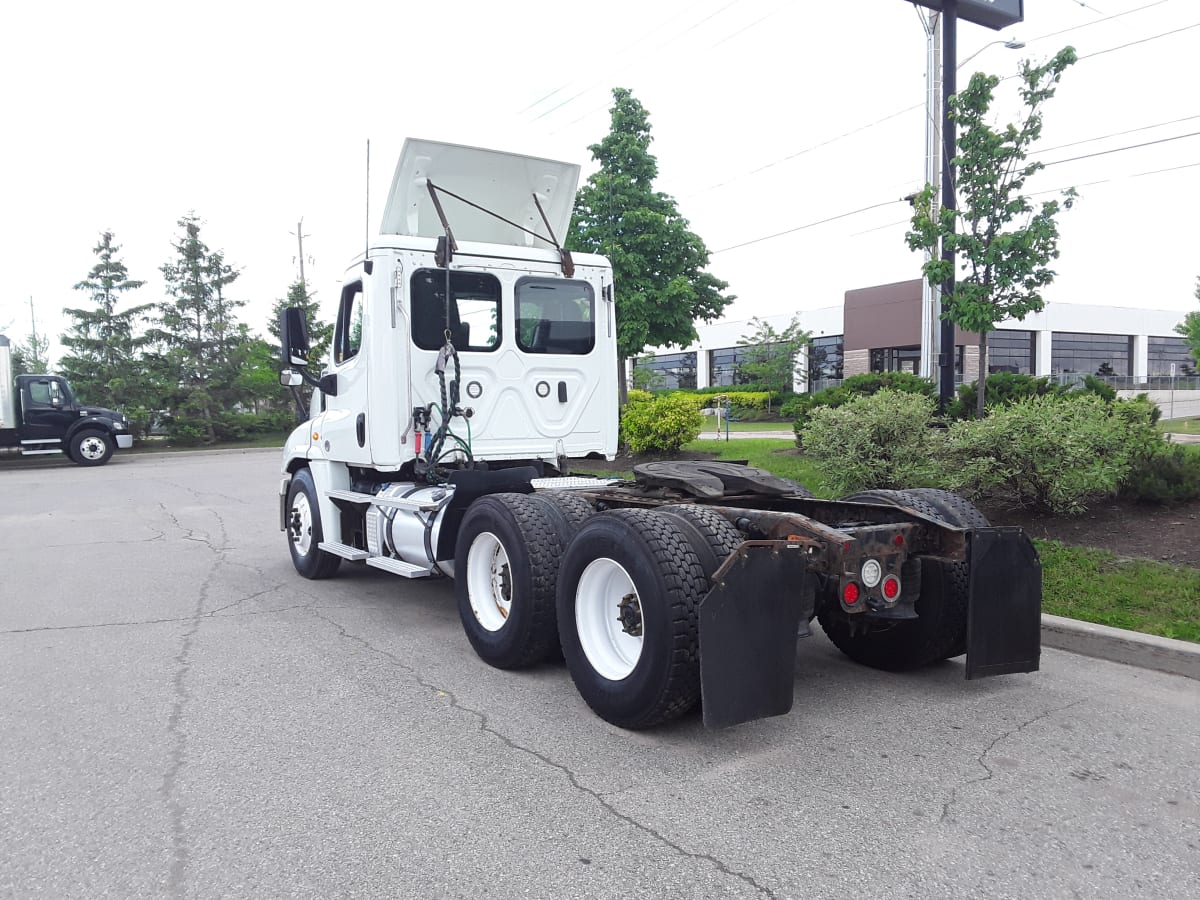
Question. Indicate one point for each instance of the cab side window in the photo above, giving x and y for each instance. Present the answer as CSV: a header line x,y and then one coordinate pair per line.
x,y
348,337
39,393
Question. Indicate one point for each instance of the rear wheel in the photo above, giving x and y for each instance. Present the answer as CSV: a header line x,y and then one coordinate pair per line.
x,y
508,548
710,534
304,529
629,594
940,629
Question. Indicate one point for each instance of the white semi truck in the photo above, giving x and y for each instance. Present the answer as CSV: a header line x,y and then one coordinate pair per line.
x,y
474,358
39,416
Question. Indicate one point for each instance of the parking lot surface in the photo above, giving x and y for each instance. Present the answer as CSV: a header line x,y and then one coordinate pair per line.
x,y
184,716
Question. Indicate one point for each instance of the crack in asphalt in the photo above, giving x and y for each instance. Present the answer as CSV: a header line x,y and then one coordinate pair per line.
x,y
178,755
208,615
486,727
988,772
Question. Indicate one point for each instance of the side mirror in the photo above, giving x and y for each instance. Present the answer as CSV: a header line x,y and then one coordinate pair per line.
x,y
290,378
294,337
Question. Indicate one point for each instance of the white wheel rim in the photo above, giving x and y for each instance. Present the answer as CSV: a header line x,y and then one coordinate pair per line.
x,y
91,448
301,523
489,581
603,587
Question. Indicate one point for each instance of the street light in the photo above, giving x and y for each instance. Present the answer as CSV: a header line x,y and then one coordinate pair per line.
x,y
930,324
1010,44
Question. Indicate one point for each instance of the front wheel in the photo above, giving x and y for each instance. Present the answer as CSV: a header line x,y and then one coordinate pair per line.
x,y
90,448
629,592
304,529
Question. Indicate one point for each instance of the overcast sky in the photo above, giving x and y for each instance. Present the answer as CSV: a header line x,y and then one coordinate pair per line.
x,y
767,115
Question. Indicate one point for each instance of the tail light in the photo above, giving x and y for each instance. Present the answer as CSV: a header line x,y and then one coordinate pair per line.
x,y
891,588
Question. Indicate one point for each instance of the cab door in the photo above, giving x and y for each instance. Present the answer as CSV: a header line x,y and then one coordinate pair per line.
x,y
342,432
46,408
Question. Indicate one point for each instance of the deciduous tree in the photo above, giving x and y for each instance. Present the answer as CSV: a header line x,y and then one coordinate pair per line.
x,y
770,355
1003,243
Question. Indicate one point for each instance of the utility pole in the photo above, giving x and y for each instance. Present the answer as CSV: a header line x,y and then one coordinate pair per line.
x,y
949,140
299,232
932,23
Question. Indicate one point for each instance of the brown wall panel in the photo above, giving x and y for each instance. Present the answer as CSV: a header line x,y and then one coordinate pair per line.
x,y
888,315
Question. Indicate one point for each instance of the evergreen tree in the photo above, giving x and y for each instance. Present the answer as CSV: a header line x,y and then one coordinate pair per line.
x,y
32,355
103,343
200,334
298,295
659,282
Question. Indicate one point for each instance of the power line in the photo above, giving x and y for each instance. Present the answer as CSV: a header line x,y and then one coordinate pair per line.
x,y
1056,190
880,121
768,237
1114,134
658,46
1127,12
1166,140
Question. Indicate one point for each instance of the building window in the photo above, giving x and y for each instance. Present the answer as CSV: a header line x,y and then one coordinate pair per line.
x,y
1163,351
1090,354
898,359
724,367
669,372
825,355
1012,351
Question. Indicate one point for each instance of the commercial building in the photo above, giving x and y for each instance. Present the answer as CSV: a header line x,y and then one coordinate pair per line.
x,y
878,329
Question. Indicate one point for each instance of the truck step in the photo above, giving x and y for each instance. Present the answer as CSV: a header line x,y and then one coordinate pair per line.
x,y
345,551
570,483
387,502
399,567
25,452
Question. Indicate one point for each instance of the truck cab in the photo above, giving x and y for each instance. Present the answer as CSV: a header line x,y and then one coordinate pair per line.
x,y
40,416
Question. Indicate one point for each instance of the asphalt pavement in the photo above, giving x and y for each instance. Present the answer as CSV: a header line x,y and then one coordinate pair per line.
x,y
184,716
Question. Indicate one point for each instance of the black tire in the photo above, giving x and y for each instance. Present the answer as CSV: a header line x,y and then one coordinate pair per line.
x,y
639,555
304,529
505,570
90,448
940,629
573,509
711,535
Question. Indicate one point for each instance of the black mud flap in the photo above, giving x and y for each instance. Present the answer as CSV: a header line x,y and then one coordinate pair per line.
x,y
748,630
1004,620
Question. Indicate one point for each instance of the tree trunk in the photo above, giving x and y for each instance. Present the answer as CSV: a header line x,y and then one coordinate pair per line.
x,y
981,384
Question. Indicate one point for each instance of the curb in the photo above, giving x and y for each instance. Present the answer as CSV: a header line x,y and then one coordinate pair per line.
x,y
1147,651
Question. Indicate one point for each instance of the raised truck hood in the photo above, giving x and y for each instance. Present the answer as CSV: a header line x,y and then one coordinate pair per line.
x,y
503,183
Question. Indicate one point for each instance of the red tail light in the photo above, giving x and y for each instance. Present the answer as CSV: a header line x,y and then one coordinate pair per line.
x,y
891,587
850,593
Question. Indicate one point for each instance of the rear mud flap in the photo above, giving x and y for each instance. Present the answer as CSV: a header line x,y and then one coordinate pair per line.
x,y
1004,619
749,623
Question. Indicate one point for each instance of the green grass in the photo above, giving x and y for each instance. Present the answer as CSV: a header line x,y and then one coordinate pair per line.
x,y
1180,426
710,426
777,456
1140,595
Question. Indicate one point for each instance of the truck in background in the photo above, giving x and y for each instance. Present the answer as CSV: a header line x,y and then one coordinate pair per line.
x,y
474,359
39,417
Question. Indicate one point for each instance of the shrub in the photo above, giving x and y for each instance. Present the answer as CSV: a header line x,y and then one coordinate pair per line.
x,y
856,386
1055,453
1003,388
1101,389
1171,476
881,440
662,424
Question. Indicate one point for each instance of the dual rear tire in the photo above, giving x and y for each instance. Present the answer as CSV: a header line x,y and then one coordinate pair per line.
x,y
618,592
